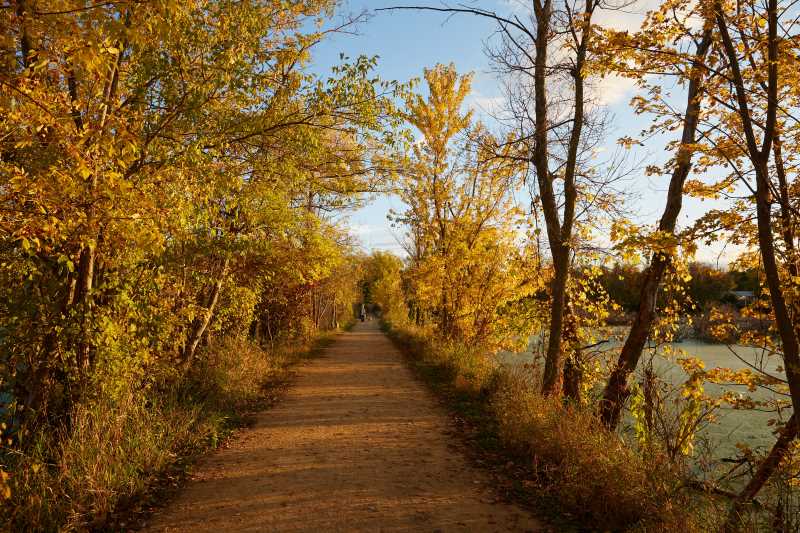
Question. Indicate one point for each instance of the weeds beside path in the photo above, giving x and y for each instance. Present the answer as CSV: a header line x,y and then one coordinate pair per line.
x,y
356,444
549,455
225,427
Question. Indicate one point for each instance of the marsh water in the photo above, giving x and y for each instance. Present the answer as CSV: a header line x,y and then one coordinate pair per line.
x,y
732,426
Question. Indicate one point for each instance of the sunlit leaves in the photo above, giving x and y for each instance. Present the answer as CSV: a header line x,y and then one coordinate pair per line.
x,y
152,151
468,267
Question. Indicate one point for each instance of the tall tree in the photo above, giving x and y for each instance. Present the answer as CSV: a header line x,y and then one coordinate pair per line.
x,y
760,68
650,47
550,50
460,205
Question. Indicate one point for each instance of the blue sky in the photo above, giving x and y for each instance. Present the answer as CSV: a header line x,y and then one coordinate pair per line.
x,y
408,41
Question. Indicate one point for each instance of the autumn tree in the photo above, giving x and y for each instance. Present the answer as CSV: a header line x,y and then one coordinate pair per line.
x,y
755,99
545,55
382,286
153,158
669,44
462,218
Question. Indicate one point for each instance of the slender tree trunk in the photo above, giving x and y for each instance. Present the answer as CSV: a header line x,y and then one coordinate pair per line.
x,y
560,234
554,364
573,373
616,391
762,474
786,330
200,324
25,45
269,332
553,369
759,157
255,331
78,292
84,286
36,399
787,222
35,395
573,378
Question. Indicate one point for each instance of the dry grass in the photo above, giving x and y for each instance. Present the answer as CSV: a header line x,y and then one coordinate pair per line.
x,y
74,480
113,454
231,373
468,367
588,473
593,473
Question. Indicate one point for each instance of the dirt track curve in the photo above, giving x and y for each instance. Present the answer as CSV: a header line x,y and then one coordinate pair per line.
x,y
356,445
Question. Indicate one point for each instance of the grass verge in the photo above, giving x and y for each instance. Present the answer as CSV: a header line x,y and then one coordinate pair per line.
x,y
118,461
552,457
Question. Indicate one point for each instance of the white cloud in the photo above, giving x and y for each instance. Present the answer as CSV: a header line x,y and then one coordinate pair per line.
x,y
630,18
376,237
612,89
483,104
363,230
626,19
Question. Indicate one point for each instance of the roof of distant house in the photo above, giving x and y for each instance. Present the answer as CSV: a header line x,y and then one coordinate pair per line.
x,y
743,294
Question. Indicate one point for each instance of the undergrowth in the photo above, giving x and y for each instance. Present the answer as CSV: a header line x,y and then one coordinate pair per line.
x,y
100,471
567,466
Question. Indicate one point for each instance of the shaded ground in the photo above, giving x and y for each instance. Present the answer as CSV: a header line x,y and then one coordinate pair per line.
x,y
356,445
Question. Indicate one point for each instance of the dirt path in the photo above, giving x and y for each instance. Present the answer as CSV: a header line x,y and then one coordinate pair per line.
x,y
356,445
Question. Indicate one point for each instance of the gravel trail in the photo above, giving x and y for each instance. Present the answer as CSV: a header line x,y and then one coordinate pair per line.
x,y
355,445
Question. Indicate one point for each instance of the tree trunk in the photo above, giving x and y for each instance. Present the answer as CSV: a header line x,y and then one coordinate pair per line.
x,y
554,363
553,366
35,397
573,378
559,234
269,332
200,324
616,391
762,475
25,45
759,157
573,371
255,330
85,282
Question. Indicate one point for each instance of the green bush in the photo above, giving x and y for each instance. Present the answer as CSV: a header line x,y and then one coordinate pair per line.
x,y
115,450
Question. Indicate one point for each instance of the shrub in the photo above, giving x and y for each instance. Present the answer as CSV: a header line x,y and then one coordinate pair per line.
x,y
591,473
115,450
232,371
468,368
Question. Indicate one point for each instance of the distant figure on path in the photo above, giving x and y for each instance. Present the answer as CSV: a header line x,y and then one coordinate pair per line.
x,y
363,313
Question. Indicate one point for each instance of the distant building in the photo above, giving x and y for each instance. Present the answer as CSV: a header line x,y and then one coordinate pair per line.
x,y
743,297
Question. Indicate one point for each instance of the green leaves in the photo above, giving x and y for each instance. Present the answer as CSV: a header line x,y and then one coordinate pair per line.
x,y
151,144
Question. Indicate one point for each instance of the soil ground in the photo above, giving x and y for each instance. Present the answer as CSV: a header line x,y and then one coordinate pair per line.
x,y
356,445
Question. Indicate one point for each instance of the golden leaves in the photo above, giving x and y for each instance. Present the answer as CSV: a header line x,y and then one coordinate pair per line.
x,y
464,225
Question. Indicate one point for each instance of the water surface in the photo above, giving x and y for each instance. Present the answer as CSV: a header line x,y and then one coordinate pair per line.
x,y
732,426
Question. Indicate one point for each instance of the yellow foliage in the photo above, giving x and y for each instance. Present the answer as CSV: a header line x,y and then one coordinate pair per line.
x,y
467,266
